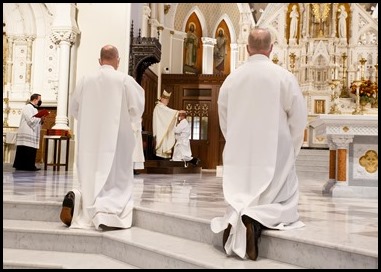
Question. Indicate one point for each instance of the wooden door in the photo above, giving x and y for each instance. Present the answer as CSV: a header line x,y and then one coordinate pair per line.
x,y
201,115
198,94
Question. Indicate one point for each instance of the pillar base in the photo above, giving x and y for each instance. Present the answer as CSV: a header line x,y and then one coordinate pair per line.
x,y
341,189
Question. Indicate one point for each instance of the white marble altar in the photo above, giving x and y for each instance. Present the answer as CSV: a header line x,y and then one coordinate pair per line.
x,y
353,161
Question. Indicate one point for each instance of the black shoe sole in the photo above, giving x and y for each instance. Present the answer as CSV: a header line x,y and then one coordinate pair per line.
x,y
252,236
67,210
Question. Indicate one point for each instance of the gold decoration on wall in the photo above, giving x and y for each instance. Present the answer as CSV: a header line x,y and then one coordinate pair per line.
x,y
369,161
275,59
321,12
292,62
319,106
345,129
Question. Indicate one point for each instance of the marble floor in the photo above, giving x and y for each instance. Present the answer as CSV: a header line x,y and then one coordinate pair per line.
x,y
350,223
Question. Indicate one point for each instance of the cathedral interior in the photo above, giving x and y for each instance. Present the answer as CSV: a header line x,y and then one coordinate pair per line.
x,y
188,49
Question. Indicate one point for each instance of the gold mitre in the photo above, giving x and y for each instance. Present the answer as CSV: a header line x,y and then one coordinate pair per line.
x,y
165,94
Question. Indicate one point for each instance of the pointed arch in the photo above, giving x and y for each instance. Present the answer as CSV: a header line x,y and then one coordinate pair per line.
x,y
200,17
230,26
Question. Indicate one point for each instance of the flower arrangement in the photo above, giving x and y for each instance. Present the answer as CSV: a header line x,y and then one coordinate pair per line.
x,y
367,91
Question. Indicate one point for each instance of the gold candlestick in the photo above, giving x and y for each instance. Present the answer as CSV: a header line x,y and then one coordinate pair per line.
x,y
362,67
292,61
344,89
376,87
357,110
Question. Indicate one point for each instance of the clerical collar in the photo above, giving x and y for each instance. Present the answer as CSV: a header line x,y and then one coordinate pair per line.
x,y
33,105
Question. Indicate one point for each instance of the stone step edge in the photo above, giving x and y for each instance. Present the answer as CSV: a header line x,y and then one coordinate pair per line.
x,y
181,249
204,224
45,259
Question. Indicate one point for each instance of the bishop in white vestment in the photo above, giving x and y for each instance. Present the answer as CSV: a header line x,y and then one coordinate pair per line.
x,y
163,125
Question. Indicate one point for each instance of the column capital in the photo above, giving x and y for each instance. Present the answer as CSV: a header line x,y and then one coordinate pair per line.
x,y
342,141
207,41
63,35
234,47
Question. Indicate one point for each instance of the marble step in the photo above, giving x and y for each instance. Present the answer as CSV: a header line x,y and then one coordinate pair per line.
x,y
312,168
46,259
169,167
135,246
314,151
312,163
274,245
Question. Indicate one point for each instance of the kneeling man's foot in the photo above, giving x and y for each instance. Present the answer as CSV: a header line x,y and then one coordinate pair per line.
x,y
253,233
104,227
67,208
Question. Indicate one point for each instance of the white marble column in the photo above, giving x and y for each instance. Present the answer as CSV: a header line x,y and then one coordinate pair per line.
x,y
171,32
9,60
29,41
64,33
64,39
207,54
334,20
233,56
160,13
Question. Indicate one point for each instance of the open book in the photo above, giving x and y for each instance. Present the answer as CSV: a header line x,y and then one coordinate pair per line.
x,y
41,113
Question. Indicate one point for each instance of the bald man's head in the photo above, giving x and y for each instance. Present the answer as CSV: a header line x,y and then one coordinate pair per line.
x,y
109,56
259,42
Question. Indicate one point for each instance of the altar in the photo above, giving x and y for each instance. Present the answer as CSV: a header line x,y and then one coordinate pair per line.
x,y
353,154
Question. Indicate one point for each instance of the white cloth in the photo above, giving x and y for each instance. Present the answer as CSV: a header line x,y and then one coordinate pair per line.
x,y
262,116
182,150
28,133
105,104
163,125
138,155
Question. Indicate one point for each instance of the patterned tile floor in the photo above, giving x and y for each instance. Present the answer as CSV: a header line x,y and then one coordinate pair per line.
x,y
350,223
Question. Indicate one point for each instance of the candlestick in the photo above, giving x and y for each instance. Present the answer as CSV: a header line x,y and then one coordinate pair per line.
x,y
357,110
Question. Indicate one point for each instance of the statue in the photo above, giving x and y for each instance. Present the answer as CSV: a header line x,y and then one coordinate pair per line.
x,y
220,51
294,15
343,22
191,45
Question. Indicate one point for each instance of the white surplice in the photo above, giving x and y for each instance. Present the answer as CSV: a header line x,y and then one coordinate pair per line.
x,y
105,104
262,116
28,133
163,125
182,150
